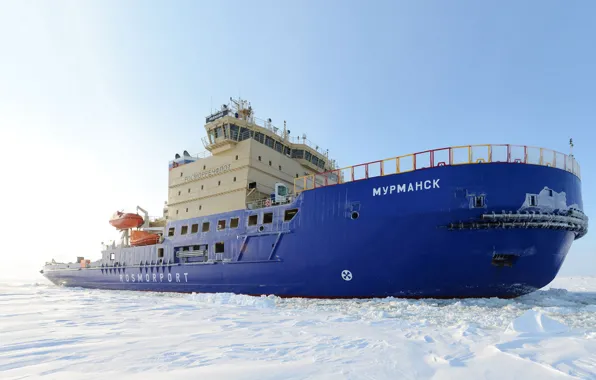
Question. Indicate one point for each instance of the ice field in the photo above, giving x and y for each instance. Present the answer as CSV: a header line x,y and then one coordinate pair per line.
x,y
57,333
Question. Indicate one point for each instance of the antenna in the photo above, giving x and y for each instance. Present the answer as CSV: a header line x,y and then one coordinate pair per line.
x,y
571,147
285,131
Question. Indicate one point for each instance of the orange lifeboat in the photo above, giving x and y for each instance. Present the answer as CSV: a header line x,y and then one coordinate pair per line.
x,y
124,221
138,238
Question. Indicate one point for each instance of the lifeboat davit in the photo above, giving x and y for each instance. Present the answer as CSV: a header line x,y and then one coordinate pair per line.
x,y
138,238
124,221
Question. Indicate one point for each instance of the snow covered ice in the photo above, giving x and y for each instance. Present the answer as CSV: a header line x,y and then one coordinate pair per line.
x,y
59,333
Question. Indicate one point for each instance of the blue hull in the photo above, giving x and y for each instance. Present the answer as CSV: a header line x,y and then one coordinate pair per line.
x,y
416,234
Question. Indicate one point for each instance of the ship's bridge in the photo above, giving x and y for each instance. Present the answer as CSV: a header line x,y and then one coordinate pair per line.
x,y
236,123
248,162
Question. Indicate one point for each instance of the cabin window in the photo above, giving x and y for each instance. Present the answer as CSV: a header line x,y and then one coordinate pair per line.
x,y
234,179
253,220
550,193
159,252
267,218
187,209
202,187
221,224
479,201
200,207
205,227
194,228
180,174
112,256
236,157
532,200
179,192
269,163
177,212
171,231
234,222
259,158
219,247
204,167
290,214
184,230
189,190
296,175
279,167
218,183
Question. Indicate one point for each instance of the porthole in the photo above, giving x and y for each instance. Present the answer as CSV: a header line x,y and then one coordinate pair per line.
x,y
261,228
355,215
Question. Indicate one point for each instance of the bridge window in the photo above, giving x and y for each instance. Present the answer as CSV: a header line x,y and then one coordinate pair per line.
x,y
290,214
267,218
205,227
194,228
219,247
234,222
221,224
171,231
532,200
253,220
112,256
159,252
279,146
259,137
184,230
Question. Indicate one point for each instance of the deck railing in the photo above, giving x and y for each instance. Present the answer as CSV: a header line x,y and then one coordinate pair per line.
x,y
457,155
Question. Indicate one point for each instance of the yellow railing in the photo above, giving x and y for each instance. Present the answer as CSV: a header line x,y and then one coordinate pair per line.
x,y
457,155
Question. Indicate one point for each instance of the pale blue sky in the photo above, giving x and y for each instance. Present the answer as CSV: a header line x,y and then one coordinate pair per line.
x,y
97,96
